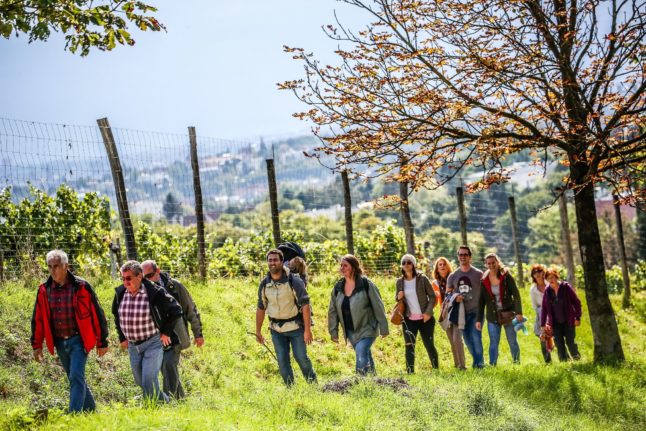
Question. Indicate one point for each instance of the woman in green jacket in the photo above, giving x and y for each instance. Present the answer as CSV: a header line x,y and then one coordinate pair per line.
x,y
356,304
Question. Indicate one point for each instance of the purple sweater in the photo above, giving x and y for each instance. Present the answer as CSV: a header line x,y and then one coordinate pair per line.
x,y
569,300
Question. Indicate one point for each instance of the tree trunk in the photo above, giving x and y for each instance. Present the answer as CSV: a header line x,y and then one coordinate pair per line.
x,y
404,209
607,343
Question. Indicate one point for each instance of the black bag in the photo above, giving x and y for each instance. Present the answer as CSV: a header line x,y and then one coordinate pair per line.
x,y
505,317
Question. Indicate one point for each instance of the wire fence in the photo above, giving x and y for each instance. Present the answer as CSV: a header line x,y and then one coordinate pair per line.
x,y
40,157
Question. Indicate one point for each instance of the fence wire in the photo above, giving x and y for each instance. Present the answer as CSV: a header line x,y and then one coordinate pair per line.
x,y
159,181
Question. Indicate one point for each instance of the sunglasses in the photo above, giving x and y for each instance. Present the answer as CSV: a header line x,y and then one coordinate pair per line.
x,y
407,262
463,254
149,276
128,278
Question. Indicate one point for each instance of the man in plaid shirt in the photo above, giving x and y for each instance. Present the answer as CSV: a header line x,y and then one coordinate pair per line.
x,y
145,316
67,316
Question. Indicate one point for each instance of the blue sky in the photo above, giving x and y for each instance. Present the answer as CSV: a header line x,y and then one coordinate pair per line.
x,y
216,69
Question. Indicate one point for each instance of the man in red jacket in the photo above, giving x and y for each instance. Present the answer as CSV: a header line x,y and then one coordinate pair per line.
x,y
67,316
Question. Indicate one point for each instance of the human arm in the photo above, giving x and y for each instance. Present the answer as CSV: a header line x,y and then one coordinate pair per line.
x,y
37,328
99,322
518,303
307,324
377,307
260,318
115,313
430,294
191,313
333,318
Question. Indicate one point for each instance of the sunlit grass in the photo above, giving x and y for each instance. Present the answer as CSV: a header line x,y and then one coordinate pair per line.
x,y
233,382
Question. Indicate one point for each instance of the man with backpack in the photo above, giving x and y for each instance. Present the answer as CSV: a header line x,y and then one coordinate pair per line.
x,y
170,364
283,298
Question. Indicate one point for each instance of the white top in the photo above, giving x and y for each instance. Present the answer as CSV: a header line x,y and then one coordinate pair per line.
x,y
537,301
495,289
410,294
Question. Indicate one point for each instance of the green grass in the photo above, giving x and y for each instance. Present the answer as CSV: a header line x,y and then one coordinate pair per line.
x,y
233,383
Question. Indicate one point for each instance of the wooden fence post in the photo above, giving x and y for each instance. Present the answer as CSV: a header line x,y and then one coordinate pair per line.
x,y
347,202
119,187
515,238
625,302
567,240
273,200
462,213
199,209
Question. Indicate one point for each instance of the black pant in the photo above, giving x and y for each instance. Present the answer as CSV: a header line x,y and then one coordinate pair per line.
x,y
564,334
426,330
546,354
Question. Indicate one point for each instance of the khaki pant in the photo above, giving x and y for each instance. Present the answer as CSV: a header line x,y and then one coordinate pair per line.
x,y
457,347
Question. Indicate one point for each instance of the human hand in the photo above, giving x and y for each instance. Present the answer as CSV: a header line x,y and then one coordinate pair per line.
x,y
479,326
519,317
308,336
577,322
259,338
124,345
165,340
400,295
459,298
199,341
427,317
101,351
38,355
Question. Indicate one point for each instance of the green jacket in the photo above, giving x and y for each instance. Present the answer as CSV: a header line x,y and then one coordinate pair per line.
x,y
425,293
366,307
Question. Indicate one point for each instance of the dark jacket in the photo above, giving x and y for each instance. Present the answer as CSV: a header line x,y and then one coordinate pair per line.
x,y
181,295
89,315
508,291
366,308
164,309
566,293
425,293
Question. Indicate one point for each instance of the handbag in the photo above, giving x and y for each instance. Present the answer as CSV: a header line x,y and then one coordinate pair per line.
x,y
397,315
505,317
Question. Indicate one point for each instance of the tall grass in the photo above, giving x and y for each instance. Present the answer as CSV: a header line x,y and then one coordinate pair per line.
x,y
233,382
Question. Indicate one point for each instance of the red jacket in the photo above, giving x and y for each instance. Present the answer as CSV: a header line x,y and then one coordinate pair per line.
x,y
90,318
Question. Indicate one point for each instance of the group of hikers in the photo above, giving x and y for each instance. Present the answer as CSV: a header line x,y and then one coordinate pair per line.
x,y
152,312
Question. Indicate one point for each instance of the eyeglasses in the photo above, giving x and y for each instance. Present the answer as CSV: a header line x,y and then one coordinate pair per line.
x,y
150,275
538,271
407,262
463,254
128,278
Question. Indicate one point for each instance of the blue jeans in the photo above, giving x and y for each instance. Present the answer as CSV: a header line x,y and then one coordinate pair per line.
x,y
473,340
364,363
282,341
145,362
73,358
494,341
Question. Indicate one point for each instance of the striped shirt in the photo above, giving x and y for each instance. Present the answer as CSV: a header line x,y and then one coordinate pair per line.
x,y
134,315
61,304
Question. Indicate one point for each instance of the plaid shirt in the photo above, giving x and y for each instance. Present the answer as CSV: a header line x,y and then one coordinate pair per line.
x,y
61,304
134,314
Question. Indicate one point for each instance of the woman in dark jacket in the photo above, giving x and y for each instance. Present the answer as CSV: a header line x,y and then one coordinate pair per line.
x,y
415,289
502,302
560,314
356,304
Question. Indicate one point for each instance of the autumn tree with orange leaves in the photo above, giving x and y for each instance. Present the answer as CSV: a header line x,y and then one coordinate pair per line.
x,y
455,83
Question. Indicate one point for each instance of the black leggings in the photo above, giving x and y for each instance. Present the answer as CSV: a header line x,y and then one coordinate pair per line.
x,y
564,335
426,330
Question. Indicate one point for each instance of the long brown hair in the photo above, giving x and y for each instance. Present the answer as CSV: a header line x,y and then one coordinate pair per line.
x,y
436,271
501,268
357,270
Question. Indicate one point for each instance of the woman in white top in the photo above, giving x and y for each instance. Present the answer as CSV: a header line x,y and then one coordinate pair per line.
x,y
536,294
415,288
